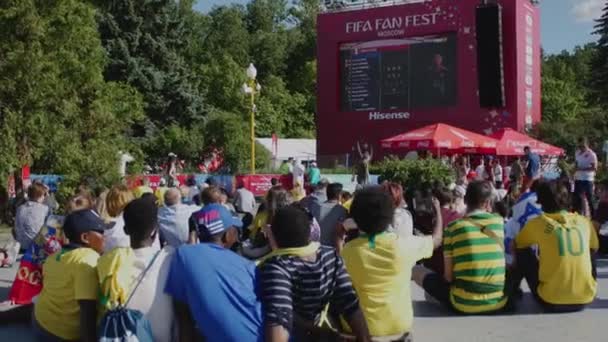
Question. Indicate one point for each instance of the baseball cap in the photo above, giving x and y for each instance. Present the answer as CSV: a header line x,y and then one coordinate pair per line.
x,y
214,219
83,221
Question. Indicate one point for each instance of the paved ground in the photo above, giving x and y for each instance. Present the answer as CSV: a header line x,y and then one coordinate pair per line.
x,y
433,324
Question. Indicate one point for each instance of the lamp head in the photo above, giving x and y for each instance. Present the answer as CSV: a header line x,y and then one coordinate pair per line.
x,y
252,72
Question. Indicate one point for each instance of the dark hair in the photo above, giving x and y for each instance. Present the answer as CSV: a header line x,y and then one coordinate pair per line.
x,y
346,195
291,227
191,181
36,191
501,209
372,210
333,191
274,181
395,191
527,148
141,219
444,196
277,198
478,193
553,196
210,195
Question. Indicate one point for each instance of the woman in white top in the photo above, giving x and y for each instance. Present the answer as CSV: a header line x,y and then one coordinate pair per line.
x,y
116,200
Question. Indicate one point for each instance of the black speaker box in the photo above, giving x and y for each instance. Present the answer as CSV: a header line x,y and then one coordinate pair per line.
x,y
490,70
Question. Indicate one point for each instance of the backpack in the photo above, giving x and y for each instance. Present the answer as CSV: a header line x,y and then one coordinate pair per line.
x,y
127,325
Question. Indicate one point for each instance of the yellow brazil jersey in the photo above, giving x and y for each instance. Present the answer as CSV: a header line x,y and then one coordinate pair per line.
x,y
69,276
564,241
381,272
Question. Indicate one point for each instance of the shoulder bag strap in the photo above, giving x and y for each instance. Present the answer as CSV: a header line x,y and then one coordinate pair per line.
x,y
488,232
141,277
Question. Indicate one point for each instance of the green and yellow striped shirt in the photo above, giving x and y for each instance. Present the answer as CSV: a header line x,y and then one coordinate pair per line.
x,y
478,263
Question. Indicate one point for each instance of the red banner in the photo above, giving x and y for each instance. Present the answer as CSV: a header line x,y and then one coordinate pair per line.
x,y
260,184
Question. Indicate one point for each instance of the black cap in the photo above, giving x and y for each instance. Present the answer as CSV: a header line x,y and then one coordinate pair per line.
x,y
140,213
83,221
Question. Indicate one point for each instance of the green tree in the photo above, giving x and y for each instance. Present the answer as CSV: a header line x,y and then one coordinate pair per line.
x,y
56,111
229,133
599,66
143,40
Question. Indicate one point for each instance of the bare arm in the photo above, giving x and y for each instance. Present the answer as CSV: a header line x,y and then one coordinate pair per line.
x,y
276,333
192,239
185,324
359,326
438,228
448,271
88,320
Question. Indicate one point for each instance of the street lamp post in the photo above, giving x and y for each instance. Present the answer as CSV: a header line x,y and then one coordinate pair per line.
x,y
252,88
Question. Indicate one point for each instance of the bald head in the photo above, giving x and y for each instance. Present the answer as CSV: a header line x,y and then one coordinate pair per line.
x,y
172,197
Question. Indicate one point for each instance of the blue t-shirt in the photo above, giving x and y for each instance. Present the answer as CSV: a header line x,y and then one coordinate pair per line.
x,y
533,165
219,287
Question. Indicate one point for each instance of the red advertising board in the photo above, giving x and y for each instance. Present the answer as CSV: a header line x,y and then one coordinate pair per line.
x,y
260,184
386,70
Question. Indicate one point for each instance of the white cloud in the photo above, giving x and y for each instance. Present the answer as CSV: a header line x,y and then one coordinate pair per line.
x,y
587,10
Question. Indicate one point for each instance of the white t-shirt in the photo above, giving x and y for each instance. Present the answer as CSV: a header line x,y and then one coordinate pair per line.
x,y
497,173
481,172
403,224
150,297
584,159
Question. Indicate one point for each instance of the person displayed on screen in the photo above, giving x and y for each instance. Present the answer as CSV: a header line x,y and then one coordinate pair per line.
x,y
438,74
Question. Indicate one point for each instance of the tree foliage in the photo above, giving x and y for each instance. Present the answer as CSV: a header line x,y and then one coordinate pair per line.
x,y
57,112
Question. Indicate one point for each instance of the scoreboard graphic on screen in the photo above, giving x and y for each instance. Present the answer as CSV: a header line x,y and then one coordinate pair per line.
x,y
379,75
383,71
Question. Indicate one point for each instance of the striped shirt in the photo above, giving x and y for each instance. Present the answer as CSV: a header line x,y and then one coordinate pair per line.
x,y
290,285
478,263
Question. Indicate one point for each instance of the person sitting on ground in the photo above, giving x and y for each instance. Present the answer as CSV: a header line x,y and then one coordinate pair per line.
x,y
224,200
143,264
329,214
244,200
30,216
403,224
562,278
173,219
448,215
67,306
191,191
214,289
345,197
380,264
300,279
474,260
211,195
318,196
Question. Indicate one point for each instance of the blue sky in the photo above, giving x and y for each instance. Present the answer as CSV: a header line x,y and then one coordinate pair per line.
x,y
565,23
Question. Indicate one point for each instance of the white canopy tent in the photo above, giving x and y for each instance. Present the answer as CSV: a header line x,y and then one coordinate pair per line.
x,y
303,149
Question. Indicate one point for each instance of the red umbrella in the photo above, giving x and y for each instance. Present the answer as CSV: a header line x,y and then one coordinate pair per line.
x,y
512,143
441,137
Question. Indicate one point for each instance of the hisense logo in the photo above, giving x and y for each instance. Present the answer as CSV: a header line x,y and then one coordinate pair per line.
x,y
389,116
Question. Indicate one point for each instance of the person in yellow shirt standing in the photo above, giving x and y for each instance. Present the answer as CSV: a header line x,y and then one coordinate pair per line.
x,y
159,193
380,264
562,278
67,306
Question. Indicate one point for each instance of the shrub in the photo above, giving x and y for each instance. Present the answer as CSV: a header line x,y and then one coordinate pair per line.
x,y
414,174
